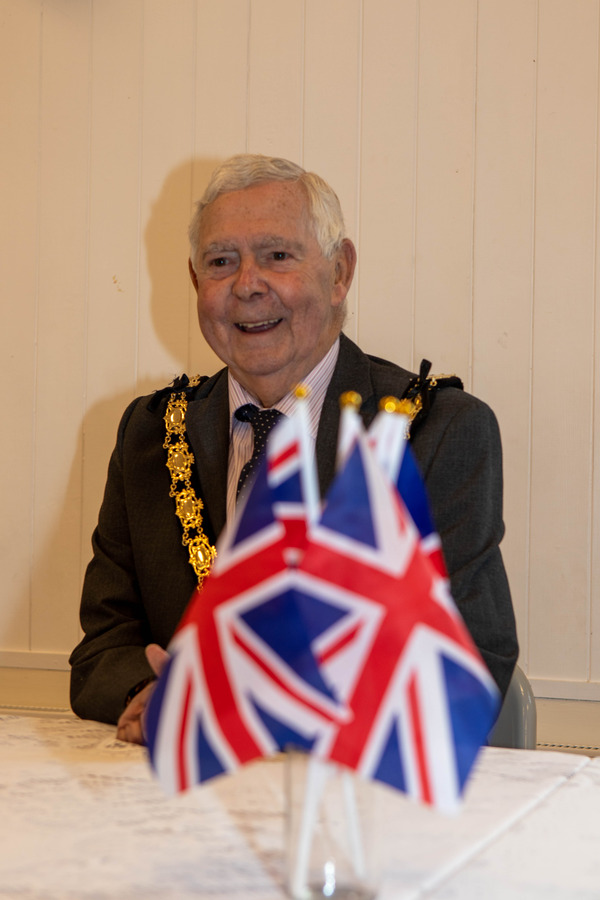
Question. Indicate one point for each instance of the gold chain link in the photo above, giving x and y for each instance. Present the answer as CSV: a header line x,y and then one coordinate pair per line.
x,y
188,507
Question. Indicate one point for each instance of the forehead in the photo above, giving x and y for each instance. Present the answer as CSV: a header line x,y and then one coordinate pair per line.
x,y
277,208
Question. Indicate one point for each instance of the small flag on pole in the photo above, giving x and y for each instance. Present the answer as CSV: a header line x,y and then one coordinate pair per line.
x,y
422,701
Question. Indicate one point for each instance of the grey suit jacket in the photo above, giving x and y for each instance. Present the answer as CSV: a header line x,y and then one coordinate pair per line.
x,y
139,580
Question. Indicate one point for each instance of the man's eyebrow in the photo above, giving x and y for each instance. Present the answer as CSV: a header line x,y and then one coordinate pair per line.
x,y
218,247
264,242
259,242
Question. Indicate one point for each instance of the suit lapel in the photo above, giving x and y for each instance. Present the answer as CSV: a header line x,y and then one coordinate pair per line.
x,y
355,371
352,373
207,425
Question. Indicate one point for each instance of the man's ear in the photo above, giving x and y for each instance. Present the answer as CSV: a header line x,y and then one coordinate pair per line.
x,y
193,275
345,265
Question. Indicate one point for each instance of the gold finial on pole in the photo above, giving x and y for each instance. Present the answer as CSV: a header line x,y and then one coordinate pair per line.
x,y
350,398
394,405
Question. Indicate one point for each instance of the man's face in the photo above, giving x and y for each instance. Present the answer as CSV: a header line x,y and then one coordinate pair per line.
x,y
269,302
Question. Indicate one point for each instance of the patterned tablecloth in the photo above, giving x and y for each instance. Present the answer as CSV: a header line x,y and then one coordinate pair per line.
x,y
84,819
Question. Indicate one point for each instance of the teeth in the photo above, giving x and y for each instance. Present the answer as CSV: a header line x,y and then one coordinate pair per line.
x,y
251,326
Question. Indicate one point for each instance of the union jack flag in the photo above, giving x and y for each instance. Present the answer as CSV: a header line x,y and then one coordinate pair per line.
x,y
423,702
331,631
242,680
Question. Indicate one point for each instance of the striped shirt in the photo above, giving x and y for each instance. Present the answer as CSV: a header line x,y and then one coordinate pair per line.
x,y
241,435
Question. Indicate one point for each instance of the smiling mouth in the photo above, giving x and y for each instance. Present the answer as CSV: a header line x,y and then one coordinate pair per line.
x,y
255,327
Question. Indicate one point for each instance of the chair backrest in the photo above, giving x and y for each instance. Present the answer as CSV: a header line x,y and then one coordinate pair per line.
x,y
516,725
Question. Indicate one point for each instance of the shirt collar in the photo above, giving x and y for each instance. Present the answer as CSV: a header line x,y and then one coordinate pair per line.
x,y
317,382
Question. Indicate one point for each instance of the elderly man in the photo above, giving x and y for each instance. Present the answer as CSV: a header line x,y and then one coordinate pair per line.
x,y
272,268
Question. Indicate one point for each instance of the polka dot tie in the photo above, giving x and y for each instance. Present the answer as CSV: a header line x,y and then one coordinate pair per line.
x,y
262,420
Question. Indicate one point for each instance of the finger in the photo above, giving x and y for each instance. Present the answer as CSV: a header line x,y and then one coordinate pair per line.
x,y
130,732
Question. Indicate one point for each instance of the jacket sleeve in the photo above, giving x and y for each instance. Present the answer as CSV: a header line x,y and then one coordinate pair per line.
x,y
110,659
463,474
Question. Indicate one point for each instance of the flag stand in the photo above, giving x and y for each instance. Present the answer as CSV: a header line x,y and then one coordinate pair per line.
x,y
326,849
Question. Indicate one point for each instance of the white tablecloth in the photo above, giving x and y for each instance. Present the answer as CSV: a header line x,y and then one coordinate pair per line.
x,y
82,818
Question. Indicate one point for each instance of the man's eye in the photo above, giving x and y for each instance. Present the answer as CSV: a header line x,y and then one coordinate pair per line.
x,y
219,261
280,255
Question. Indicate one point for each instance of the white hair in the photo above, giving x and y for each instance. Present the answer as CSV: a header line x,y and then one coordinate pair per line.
x,y
249,169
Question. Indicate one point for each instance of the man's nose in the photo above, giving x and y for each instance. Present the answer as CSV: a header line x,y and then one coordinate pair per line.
x,y
248,280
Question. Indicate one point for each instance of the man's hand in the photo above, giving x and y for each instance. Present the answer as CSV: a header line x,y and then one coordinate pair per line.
x,y
130,724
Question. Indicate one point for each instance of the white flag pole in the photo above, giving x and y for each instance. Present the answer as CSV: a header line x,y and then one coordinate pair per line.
x,y
388,436
317,770
353,825
351,426
317,773
308,472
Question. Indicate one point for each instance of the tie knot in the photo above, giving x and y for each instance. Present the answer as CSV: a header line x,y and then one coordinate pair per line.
x,y
262,420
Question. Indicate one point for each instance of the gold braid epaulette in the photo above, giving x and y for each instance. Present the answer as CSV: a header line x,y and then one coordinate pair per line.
x,y
188,507
417,398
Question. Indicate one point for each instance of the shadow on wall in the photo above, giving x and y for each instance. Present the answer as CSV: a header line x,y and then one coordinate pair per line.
x,y
172,297
60,564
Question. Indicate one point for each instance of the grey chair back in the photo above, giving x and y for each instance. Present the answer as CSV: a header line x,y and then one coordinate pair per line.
x,y
516,725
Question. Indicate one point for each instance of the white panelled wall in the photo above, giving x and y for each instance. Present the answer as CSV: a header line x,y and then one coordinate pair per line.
x,y
462,138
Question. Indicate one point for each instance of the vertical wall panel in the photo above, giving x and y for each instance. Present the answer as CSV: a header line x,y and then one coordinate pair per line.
x,y
387,180
276,78
114,238
64,146
332,105
444,223
220,115
595,525
503,258
167,144
20,37
115,226
563,339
